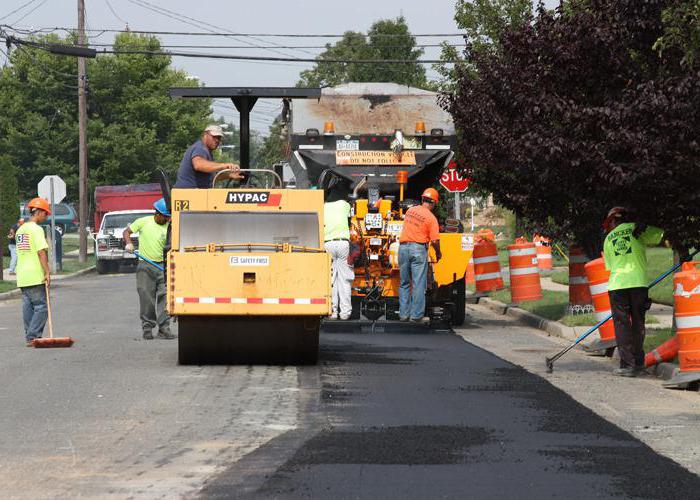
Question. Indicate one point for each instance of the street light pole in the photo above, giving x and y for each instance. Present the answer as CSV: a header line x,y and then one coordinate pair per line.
x,y
82,139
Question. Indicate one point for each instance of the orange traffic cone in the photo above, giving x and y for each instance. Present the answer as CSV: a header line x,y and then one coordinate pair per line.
x,y
665,352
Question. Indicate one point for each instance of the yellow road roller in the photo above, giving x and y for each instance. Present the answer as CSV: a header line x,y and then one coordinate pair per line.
x,y
247,275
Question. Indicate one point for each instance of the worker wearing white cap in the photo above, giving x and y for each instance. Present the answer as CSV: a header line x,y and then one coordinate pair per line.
x,y
198,165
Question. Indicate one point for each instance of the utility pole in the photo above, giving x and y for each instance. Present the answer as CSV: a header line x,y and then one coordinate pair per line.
x,y
82,139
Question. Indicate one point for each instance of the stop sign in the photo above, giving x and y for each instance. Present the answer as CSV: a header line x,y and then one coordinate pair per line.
x,y
453,181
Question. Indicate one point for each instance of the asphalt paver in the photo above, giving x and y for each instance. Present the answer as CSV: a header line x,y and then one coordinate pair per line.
x,y
432,416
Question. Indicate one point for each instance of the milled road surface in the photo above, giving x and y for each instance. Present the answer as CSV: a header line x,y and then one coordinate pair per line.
x,y
382,416
115,415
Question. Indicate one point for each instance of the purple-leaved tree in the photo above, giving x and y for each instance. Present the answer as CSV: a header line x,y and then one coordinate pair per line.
x,y
577,111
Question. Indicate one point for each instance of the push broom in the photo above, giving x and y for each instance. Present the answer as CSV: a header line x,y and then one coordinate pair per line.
x,y
41,343
550,361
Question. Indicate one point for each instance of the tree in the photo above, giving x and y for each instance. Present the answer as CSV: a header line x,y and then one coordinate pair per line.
x,y
9,202
273,148
577,113
682,31
386,39
483,23
134,127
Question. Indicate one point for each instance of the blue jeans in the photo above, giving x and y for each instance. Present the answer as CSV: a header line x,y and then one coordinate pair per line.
x,y
34,311
13,257
413,265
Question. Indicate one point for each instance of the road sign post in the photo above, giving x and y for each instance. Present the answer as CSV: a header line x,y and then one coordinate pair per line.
x,y
52,188
452,180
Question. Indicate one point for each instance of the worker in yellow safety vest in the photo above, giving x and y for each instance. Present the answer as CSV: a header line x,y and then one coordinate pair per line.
x,y
33,272
625,257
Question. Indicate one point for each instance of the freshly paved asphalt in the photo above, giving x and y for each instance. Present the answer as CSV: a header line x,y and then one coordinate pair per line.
x,y
430,416
381,416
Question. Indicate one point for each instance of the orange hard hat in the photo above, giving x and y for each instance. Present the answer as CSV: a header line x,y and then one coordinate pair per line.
x,y
40,203
431,194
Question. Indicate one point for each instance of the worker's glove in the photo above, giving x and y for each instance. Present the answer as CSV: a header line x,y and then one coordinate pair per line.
x,y
129,247
639,228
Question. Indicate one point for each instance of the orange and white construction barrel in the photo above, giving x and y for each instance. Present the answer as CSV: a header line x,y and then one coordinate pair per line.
x,y
686,313
524,274
579,293
598,277
544,252
487,270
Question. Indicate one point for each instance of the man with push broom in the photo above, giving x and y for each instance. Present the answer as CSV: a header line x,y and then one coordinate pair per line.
x,y
150,278
33,273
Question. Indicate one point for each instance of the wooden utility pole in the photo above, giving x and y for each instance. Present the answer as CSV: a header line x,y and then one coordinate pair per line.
x,y
82,139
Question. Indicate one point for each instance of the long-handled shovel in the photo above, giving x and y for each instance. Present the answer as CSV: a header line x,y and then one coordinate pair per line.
x,y
550,361
52,341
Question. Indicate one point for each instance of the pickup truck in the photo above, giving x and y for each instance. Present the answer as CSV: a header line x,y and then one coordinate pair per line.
x,y
109,243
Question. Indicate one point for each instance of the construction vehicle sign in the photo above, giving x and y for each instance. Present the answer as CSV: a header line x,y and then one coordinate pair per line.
x,y
250,197
373,221
375,158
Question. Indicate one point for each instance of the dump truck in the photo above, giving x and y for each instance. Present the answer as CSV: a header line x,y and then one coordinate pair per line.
x,y
380,145
247,275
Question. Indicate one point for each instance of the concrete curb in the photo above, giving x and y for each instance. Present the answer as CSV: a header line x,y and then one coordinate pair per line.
x,y
664,371
55,284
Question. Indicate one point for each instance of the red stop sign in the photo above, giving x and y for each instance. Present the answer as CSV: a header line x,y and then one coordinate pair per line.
x,y
453,181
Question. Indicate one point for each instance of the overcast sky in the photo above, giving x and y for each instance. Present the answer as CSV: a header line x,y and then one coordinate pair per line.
x,y
256,16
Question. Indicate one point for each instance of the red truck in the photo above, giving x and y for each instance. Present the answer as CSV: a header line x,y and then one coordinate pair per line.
x,y
115,208
129,197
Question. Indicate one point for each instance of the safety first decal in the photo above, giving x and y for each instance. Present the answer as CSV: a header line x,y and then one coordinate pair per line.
x,y
249,260
260,198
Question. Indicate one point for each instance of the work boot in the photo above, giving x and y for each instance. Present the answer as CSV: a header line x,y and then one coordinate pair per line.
x,y
167,335
147,335
627,371
423,321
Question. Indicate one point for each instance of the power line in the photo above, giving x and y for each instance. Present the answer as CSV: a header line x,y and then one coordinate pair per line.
x,y
109,5
170,46
278,59
35,8
183,19
269,35
18,9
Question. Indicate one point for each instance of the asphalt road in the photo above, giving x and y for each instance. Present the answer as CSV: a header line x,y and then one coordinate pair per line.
x,y
381,416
